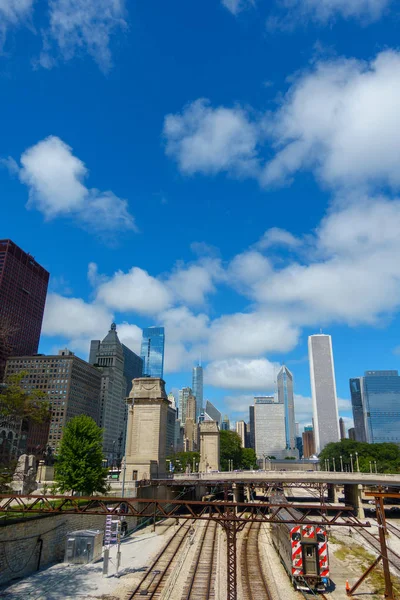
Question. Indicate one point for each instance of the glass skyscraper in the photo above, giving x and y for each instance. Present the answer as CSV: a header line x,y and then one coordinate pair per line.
x,y
197,388
358,409
285,395
381,403
152,351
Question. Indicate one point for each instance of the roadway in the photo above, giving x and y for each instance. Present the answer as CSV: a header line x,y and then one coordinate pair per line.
x,y
336,478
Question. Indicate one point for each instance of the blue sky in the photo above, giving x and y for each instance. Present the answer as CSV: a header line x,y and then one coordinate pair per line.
x,y
228,169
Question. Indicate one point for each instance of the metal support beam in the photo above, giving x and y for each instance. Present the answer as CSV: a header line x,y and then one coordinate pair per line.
x,y
380,517
351,591
230,527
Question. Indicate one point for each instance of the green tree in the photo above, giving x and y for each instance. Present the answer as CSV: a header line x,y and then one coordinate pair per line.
x,y
249,459
79,467
230,449
181,460
18,403
387,456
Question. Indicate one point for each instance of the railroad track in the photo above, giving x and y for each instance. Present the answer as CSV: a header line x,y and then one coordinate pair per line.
x,y
254,584
373,540
201,584
157,575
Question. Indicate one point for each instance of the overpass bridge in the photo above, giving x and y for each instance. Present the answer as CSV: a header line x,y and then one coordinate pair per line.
x,y
324,477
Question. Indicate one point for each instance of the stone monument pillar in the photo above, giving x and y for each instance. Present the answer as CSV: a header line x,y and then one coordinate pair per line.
x,y
209,447
146,430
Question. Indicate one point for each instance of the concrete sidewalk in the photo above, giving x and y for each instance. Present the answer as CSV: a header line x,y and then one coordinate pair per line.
x,y
63,581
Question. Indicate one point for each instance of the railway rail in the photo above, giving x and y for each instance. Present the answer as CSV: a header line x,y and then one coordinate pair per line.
x,y
201,585
254,584
153,582
393,557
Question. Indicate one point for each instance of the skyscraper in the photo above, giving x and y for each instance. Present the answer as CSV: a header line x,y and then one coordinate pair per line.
x,y
342,429
323,390
269,421
308,442
358,409
241,430
285,396
225,425
23,289
184,395
213,412
197,387
252,437
117,373
152,351
71,385
381,401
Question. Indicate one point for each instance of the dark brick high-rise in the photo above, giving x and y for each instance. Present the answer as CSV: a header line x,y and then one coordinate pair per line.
x,y
23,289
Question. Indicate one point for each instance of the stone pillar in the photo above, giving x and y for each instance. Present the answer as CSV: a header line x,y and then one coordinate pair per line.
x,y
209,447
353,496
147,429
333,493
238,492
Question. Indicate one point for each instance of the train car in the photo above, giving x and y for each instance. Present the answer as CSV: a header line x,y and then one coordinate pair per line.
x,y
303,550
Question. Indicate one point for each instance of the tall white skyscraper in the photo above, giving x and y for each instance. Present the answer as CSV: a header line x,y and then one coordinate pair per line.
x,y
323,389
285,396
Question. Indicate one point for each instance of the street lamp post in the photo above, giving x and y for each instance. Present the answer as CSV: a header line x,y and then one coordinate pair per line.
x,y
334,465
358,464
370,466
341,463
351,460
375,467
265,462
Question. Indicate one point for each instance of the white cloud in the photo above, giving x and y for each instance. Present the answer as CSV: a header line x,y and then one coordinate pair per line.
x,y
74,318
251,334
324,10
135,291
78,26
12,14
191,284
55,177
341,120
207,140
242,374
182,325
247,268
277,237
236,6
352,246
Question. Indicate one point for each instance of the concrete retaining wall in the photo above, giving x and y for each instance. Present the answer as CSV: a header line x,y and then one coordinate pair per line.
x,y
20,542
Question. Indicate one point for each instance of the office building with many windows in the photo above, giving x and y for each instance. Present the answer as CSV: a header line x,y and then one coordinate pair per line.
x,y
184,395
118,366
23,290
356,395
286,397
269,424
381,403
323,390
152,352
70,385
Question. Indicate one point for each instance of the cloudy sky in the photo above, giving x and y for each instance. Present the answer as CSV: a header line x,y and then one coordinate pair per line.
x,y
228,169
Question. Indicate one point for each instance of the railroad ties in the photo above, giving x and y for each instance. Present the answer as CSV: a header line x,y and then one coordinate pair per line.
x,y
201,581
154,581
254,584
